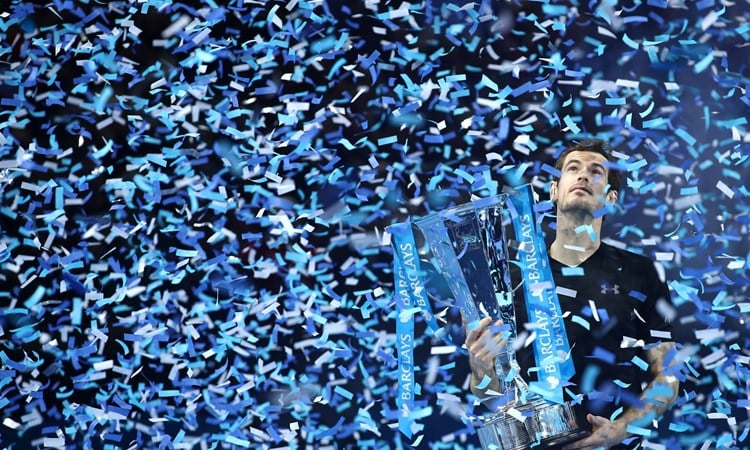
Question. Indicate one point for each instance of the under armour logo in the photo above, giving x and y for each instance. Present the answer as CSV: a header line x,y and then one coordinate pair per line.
x,y
610,290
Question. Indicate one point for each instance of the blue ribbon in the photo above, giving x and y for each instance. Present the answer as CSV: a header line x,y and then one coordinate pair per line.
x,y
410,298
551,348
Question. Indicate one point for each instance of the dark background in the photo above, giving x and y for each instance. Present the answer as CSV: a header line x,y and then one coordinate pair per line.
x,y
194,197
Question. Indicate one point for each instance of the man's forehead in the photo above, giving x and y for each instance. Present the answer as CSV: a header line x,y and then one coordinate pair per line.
x,y
585,156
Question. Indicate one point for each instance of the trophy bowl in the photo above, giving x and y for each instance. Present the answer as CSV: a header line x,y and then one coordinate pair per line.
x,y
542,425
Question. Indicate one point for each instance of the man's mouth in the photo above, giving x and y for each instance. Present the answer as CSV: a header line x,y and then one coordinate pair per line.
x,y
585,189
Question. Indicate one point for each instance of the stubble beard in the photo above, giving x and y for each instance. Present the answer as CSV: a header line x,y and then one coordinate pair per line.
x,y
578,207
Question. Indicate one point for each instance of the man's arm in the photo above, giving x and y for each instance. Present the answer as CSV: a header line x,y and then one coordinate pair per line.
x,y
658,396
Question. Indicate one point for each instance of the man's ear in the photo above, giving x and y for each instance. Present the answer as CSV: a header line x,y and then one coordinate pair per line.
x,y
553,190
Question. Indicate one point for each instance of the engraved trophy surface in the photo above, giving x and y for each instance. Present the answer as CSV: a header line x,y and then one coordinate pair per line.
x,y
467,247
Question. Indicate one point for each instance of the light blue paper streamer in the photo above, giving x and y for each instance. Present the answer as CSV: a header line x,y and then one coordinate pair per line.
x,y
543,307
410,294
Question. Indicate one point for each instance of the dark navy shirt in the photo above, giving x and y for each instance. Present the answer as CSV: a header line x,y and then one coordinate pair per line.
x,y
609,303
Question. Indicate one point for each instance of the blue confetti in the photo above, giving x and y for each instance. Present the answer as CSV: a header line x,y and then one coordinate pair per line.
x,y
194,199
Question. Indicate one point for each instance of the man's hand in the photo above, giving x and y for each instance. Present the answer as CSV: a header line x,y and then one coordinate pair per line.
x,y
484,344
604,434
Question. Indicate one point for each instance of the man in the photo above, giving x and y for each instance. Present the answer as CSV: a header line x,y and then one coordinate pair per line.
x,y
610,300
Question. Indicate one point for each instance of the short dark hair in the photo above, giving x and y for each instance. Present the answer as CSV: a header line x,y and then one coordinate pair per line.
x,y
614,176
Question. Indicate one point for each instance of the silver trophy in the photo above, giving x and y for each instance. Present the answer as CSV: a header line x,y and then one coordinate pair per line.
x,y
466,249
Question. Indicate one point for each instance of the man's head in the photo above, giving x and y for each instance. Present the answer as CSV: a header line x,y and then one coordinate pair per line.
x,y
587,178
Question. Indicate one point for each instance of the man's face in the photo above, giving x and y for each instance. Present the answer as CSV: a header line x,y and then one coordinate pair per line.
x,y
582,182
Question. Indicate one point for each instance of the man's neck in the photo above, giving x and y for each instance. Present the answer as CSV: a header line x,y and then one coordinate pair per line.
x,y
576,239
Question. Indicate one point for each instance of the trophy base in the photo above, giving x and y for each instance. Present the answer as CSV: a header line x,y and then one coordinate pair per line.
x,y
546,425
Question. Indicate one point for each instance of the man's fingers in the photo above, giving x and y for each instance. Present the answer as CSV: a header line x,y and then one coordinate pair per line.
x,y
597,421
478,350
473,335
592,441
578,445
484,336
603,434
495,338
484,350
485,356
493,343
